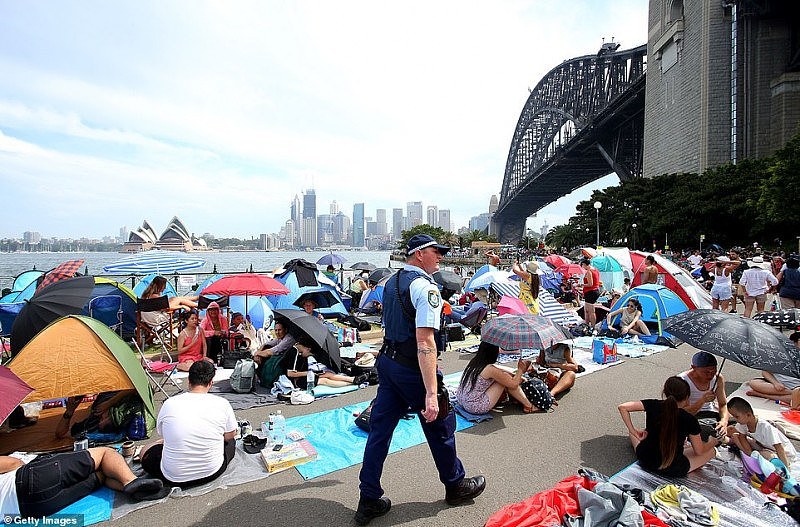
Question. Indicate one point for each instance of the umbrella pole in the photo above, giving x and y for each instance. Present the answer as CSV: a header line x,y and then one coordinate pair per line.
x,y
719,371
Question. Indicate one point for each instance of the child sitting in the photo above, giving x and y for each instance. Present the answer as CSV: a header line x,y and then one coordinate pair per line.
x,y
751,433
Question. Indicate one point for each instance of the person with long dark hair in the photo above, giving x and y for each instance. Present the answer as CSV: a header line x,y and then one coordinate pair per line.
x,y
483,384
660,445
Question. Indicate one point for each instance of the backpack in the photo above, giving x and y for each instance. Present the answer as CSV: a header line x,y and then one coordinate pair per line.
x,y
243,377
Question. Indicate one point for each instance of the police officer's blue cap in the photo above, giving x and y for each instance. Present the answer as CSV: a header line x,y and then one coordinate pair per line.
x,y
423,241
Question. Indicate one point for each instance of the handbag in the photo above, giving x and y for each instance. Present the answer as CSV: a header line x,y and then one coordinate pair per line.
x,y
537,393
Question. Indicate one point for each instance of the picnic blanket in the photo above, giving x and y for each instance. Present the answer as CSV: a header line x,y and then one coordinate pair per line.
x,y
105,504
739,504
581,357
624,347
769,410
260,396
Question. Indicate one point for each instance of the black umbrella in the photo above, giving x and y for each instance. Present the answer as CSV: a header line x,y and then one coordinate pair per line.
x,y
320,296
363,266
65,297
448,280
742,340
300,324
379,274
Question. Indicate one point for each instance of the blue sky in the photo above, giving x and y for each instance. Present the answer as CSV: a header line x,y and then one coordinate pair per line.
x,y
220,112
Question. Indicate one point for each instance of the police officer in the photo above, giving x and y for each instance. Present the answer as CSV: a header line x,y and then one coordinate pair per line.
x,y
408,379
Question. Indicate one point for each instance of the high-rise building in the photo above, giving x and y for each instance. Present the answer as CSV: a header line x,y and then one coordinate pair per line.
x,y
309,204
414,213
372,227
123,234
31,237
296,210
432,216
380,219
397,223
334,208
444,220
308,232
341,228
479,222
324,229
493,203
290,237
358,225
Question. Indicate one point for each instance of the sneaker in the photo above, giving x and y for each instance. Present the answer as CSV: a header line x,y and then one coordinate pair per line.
x,y
301,397
468,489
370,509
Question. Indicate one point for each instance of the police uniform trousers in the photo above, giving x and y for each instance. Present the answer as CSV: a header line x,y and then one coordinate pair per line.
x,y
402,388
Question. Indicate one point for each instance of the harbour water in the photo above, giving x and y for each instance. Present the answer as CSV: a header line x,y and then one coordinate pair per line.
x,y
12,264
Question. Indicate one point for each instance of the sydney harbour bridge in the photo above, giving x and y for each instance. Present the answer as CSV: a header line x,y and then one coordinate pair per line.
x,y
582,121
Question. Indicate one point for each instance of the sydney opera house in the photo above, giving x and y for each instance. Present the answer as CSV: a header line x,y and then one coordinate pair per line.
x,y
175,237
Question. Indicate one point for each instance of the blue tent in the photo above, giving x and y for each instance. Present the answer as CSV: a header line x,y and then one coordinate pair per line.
x,y
258,308
20,295
144,282
109,288
658,303
611,272
26,278
289,279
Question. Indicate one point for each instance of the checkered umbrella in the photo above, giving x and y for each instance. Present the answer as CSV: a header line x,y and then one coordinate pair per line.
x,y
512,332
62,271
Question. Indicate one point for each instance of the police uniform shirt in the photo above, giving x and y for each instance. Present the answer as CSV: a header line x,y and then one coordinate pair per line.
x,y
426,298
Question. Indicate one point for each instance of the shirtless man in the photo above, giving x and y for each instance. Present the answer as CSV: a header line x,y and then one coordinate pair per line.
x,y
650,273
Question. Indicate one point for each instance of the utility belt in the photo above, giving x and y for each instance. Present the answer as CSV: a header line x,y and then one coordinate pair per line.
x,y
404,359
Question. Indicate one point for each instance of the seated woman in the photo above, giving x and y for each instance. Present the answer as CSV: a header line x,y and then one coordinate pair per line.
x,y
298,362
160,315
191,343
660,446
559,356
101,418
215,328
630,322
483,384
776,386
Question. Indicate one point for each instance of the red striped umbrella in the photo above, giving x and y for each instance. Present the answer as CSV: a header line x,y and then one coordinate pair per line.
x,y
14,391
61,272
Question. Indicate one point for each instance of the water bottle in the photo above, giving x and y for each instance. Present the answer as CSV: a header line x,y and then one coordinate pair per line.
x,y
310,381
280,429
270,432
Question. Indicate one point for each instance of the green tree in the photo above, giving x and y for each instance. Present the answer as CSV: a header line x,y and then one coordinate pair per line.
x,y
439,234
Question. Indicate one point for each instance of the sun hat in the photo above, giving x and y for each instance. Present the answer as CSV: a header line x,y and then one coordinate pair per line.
x,y
367,360
423,241
532,267
703,359
253,444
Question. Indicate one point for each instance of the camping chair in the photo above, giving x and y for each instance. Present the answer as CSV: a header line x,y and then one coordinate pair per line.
x,y
152,370
108,310
474,317
8,313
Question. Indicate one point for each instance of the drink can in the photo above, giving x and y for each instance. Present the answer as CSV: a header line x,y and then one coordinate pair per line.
x,y
80,444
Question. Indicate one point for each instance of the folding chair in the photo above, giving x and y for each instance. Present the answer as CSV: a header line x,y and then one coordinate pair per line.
x,y
108,310
152,371
8,313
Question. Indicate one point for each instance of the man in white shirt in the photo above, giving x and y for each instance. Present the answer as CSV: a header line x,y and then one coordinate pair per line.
x,y
756,281
198,432
695,259
50,482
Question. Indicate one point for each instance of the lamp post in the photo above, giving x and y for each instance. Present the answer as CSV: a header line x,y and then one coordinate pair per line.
x,y
634,236
597,206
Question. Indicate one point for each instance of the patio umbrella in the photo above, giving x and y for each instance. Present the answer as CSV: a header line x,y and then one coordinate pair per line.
x,y
556,260
245,284
363,266
570,270
319,295
14,391
61,272
379,274
299,324
155,261
526,331
65,297
743,340
448,280
331,259
511,305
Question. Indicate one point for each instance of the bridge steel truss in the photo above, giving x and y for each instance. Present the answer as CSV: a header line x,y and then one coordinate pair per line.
x,y
584,119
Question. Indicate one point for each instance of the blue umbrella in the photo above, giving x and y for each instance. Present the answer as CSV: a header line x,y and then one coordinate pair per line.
x,y
331,259
169,291
155,262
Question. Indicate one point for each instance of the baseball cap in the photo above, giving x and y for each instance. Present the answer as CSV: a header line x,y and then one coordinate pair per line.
x,y
423,241
703,359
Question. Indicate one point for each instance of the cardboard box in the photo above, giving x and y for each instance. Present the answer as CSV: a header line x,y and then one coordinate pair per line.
x,y
290,455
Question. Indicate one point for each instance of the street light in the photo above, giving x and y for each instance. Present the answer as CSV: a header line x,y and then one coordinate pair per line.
x,y
634,236
597,206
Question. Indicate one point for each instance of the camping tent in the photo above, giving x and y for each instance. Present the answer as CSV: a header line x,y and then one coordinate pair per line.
x,y
610,271
107,287
658,303
300,277
144,282
673,277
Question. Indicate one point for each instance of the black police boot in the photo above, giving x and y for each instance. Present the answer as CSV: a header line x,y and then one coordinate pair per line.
x,y
468,489
370,509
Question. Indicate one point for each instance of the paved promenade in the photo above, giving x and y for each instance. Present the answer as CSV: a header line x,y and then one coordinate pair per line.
x,y
519,455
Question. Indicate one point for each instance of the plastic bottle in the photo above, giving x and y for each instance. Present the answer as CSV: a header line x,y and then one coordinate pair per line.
x,y
310,381
280,429
270,432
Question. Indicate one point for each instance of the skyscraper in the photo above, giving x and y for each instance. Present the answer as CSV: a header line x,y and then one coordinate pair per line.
x,y
380,220
444,220
397,223
414,212
308,232
358,225
341,228
296,210
432,216
334,208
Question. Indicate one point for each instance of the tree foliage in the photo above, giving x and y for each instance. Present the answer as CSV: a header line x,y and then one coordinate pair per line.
x,y
752,201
